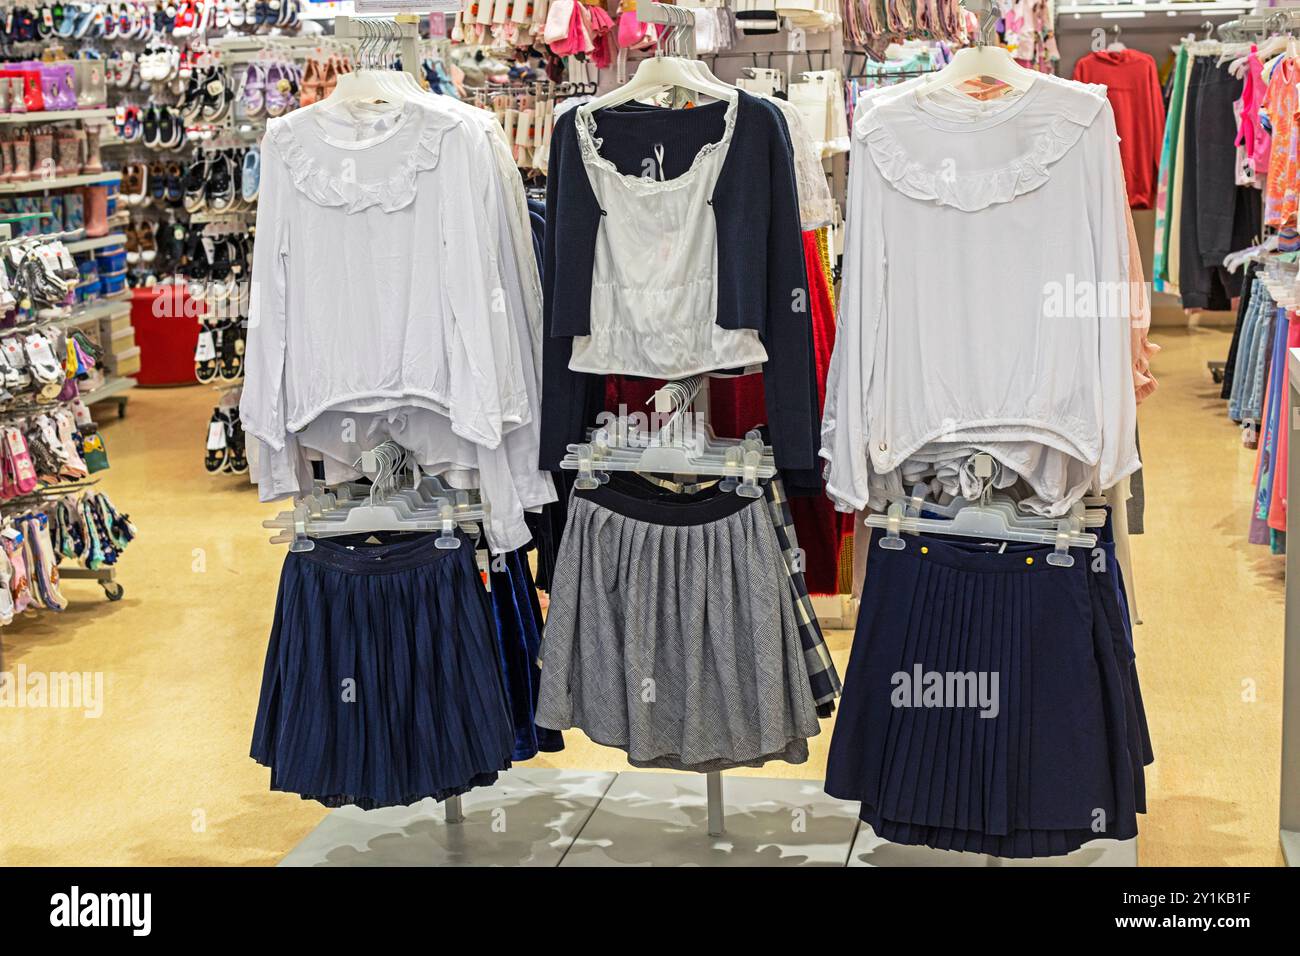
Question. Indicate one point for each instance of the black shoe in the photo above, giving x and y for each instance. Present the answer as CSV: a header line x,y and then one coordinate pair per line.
x,y
218,436
236,458
196,185
220,187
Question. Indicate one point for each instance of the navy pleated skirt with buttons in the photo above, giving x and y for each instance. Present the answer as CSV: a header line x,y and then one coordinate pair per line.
x,y
1061,762
382,683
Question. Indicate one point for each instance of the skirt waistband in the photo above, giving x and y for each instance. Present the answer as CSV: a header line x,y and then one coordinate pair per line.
x,y
970,555
401,552
668,513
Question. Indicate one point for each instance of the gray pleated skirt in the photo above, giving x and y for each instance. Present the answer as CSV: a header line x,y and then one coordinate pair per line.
x,y
672,634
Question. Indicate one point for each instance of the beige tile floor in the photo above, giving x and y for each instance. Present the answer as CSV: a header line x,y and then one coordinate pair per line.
x,y
163,776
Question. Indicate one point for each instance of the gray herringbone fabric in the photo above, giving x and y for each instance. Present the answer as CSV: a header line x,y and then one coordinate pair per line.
x,y
676,643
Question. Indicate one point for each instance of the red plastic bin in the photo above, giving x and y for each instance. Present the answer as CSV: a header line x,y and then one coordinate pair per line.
x,y
166,330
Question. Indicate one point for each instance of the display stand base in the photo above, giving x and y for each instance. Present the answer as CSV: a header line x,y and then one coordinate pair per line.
x,y
539,817
529,818
871,850
660,819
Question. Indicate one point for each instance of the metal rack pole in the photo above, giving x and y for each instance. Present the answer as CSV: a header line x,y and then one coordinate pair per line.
x,y
455,812
717,810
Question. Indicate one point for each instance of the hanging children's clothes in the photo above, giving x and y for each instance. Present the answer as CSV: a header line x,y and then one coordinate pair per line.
x,y
1133,89
449,350
619,174
932,370
938,177
382,684
1165,186
1045,748
721,669
396,297
1218,216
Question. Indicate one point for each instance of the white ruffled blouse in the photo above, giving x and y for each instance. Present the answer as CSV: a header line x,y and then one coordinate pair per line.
x,y
371,288
393,281
986,255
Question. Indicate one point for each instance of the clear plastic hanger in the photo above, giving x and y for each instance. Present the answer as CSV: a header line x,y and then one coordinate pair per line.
x,y
1080,514
426,506
678,448
984,520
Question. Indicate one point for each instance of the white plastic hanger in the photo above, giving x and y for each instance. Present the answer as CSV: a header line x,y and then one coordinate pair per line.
x,y
658,73
372,82
982,60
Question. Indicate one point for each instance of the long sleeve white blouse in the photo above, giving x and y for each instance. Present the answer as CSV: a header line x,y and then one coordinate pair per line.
x,y
375,280
503,468
973,230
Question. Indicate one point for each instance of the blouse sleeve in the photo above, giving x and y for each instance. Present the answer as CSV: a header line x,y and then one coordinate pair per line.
x,y
789,377
845,431
262,405
487,388
1119,457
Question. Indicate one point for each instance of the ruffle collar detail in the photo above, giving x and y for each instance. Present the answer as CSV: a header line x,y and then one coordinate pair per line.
x,y
326,184
978,189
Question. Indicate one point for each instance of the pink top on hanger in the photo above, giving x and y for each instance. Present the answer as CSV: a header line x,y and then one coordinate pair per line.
x,y
1251,135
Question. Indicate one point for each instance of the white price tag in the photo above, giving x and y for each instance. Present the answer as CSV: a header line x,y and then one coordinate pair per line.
x,y
206,349
216,436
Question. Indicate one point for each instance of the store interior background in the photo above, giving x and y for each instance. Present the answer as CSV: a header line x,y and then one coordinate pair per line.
x,y
163,777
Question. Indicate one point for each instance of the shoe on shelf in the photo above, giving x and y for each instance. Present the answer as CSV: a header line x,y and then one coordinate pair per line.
x,y
135,183
195,198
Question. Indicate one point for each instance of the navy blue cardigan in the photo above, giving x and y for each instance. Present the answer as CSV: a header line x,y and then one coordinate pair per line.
x,y
762,280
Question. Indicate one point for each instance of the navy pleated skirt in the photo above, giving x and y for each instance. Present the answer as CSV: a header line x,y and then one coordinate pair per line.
x,y
519,635
382,683
1048,758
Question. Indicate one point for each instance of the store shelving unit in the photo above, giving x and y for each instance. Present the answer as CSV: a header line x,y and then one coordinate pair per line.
x,y
114,389
59,182
1125,11
103,309
54,116
99,242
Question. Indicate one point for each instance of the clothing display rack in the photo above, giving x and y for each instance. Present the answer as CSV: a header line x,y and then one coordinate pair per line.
x,y
402,29
1289,822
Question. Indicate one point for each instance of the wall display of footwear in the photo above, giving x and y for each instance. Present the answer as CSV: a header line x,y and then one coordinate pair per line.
x,y
51,451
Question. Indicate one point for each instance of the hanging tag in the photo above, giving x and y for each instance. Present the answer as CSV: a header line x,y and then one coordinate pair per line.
x,y
205,350
215,88
484,568
216,436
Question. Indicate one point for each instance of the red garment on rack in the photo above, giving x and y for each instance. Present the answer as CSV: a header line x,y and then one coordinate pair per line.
x,y
1133,88
736,405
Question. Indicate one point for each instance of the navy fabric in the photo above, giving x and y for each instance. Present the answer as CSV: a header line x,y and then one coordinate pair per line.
x,y
1058,766
519,635
382,684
